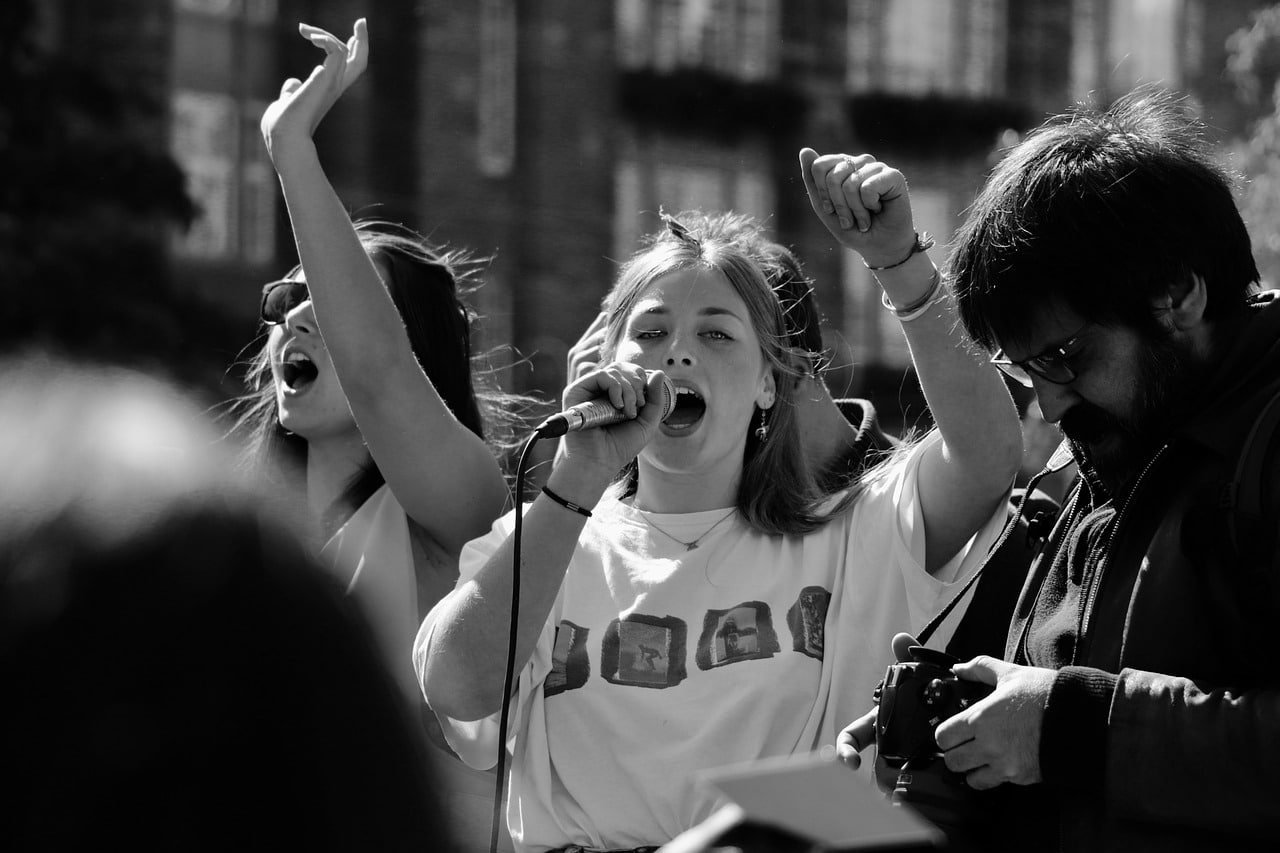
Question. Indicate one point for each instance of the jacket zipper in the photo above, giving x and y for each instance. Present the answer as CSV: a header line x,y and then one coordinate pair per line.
x,y
1095,578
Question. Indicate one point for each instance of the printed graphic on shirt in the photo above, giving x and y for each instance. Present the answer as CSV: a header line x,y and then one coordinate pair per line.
x,y
807,620
744,632
644,651
570,662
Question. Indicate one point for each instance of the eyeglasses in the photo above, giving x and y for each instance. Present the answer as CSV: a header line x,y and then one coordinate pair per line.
x,y
1052,365
281,297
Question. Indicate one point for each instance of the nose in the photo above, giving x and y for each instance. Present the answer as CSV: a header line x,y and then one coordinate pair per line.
x,y
302,319
678,352
1055,400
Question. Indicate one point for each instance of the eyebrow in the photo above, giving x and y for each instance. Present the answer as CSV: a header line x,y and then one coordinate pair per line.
x,y
710,311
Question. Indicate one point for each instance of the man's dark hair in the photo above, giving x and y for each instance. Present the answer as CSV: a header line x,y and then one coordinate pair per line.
x,y
1100,211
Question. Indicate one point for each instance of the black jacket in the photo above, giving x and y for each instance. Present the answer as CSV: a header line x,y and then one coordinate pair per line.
x,y
1162,730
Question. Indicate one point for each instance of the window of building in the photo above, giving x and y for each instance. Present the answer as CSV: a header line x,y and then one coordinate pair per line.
x,y
926,47
216,141
677,175
256,11
1144,42
735,38
1131,42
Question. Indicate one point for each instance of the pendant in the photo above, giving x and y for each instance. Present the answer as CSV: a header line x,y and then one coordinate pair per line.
x,y
689,546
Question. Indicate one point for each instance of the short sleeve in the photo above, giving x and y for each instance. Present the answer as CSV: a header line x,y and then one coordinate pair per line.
x,y
892,503
476,741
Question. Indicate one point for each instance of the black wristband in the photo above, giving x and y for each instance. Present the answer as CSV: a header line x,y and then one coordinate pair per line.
x,y
578,508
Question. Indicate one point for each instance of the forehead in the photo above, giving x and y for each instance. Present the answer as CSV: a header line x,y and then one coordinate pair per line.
x,y
690,292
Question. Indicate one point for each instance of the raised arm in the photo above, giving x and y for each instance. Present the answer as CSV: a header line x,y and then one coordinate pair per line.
x,y
865,205
442,473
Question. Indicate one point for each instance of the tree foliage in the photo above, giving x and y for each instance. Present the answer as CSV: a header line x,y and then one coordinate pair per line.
x,y
89,197
1254,66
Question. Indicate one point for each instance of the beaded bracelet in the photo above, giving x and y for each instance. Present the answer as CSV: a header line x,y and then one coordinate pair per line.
x,y
923,243
578,508
921,305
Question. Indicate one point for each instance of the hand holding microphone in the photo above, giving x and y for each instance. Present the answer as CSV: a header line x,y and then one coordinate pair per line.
x,y
603,412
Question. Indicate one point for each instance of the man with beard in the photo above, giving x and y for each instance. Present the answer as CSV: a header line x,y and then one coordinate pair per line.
x,y
1105,266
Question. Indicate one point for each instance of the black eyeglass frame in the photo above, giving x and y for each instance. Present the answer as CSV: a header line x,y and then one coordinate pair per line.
x,y
1052,365
267,289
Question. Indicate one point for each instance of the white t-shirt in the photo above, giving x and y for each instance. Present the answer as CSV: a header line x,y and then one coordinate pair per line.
x,y
658,662
375,554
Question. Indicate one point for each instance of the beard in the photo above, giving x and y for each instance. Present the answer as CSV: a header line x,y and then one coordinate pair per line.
x,y
1119,445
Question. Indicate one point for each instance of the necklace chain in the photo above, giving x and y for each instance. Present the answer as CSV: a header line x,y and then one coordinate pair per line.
x,y
689,546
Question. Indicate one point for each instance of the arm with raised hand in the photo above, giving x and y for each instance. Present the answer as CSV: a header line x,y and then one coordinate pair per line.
x,y
865,205
442,473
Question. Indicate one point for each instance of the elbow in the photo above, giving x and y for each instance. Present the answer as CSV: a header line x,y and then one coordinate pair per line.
x,y
451,687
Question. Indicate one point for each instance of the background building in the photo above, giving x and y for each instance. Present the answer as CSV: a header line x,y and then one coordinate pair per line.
x,y
547,134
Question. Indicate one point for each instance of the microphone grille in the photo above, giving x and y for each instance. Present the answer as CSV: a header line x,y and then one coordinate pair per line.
x,y
668,397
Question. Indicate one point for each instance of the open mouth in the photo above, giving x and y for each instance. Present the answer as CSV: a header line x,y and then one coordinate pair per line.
x,y
689,409
297,371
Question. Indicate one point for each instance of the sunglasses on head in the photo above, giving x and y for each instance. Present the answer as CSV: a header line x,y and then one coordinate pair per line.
x,y
281,297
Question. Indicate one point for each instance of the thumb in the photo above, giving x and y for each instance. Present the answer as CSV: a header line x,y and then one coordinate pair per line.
x,y
902,644
983,668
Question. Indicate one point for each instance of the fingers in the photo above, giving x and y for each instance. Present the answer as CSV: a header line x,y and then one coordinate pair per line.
x,y
984,669
848,189
953,732
587,352
625,388
844,186
855,737
623,384
817,199
350,58
902,644
358,48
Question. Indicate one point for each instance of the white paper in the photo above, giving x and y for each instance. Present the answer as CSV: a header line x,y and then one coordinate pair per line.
x,y
817,797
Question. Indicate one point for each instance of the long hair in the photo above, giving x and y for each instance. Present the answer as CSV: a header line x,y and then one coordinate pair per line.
x,y
777,493
428,285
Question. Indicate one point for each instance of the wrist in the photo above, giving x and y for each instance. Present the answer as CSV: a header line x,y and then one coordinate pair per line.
x,y
285,150
1073,735
583,491
907,284
920,243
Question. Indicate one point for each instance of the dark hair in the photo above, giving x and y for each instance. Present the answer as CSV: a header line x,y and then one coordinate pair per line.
x,y
180,672
428,285
1101,211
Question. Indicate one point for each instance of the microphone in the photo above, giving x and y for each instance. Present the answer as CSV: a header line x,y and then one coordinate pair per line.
x,y
598,413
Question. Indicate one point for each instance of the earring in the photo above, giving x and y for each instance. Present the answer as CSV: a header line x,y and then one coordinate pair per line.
x,y
762,431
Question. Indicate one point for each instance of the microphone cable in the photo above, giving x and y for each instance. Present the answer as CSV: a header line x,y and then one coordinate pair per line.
x,y
509,678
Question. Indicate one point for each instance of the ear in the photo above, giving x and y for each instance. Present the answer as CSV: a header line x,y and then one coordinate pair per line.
x,y
768,391
1181,307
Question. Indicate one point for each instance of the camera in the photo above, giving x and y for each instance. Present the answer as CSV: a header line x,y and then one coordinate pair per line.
x,y
914,698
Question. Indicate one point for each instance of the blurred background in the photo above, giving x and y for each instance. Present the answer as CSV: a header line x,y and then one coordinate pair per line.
x,y
139,215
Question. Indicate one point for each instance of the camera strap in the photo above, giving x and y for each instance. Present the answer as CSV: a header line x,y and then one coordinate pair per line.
x,y
1060,459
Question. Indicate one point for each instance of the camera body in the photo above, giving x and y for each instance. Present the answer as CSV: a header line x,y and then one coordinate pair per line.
x,y
914,698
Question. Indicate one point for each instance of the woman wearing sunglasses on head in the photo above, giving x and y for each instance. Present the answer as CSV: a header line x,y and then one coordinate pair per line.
x,y
363,398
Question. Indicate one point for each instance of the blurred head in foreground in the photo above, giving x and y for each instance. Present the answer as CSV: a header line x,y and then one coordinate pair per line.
x,y
178,672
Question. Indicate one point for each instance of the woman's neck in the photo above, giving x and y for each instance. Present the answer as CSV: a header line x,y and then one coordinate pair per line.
x,y
331,466
660,490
